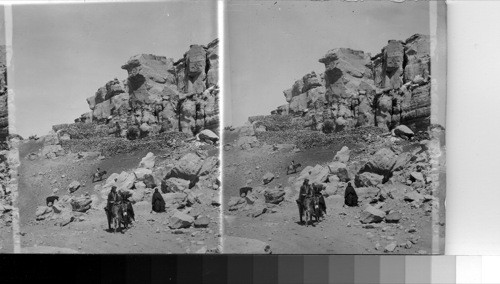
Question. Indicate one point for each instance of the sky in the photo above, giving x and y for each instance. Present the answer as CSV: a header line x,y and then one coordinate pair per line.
x,y
271,45
63,53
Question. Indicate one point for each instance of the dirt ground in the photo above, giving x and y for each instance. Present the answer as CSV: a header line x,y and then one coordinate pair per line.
x,y
89,233
340,232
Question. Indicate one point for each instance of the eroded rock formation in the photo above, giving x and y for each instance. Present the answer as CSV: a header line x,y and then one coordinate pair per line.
x,y
161,94
388,89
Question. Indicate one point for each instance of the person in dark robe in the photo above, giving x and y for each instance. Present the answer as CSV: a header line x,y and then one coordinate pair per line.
x,y
158,204
350,196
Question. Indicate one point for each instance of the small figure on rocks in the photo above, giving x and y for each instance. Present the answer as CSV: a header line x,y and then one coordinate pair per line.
x,y
350,196
158,203
98,175
292,167
51,199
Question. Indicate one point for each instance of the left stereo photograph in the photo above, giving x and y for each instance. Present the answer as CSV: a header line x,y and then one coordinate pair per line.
x,y
6,212
117,123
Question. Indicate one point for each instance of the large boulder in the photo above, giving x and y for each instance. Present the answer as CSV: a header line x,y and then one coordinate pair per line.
x,y
372,215
175,200
342,155
201,222
413,196
274,196
149,181
180,220
319,174
403,131
235,203
125,181
188,167
148,161
43,212
238,245
209,165
368,179
267,178
367,192
141,173
74,186
208,135
81,204
174,185
340,170
382,162
395,191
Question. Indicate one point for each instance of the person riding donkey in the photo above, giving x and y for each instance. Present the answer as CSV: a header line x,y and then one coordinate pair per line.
x,y
292,167
98,175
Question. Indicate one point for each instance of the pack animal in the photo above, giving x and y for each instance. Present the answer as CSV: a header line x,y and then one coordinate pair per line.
x,y
98,176
292,168
51,199
116,216
311,209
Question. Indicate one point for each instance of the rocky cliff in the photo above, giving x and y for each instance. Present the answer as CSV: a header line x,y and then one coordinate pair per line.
x,y
4,116
160,94
388,89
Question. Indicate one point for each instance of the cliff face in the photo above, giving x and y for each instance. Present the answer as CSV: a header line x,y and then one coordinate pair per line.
x,y
355,90
161,94
4,115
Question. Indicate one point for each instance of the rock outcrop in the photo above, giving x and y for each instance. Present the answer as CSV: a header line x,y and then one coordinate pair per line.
x,y
386,90
160,94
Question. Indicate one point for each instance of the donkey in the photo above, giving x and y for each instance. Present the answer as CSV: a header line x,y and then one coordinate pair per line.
x,y
98,176
311,209
293,168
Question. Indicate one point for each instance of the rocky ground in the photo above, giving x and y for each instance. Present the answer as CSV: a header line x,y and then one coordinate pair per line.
x,y
6,240
77,222
399,215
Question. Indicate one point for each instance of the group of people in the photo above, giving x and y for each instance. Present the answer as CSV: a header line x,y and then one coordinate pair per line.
x,y
157,203
308,191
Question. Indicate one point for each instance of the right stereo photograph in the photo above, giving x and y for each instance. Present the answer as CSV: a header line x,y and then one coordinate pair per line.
x,y
334,128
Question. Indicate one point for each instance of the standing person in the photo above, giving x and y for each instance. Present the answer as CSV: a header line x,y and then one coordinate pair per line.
x,y
350,196
305,190
124,195
157,203
113,198
317,188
